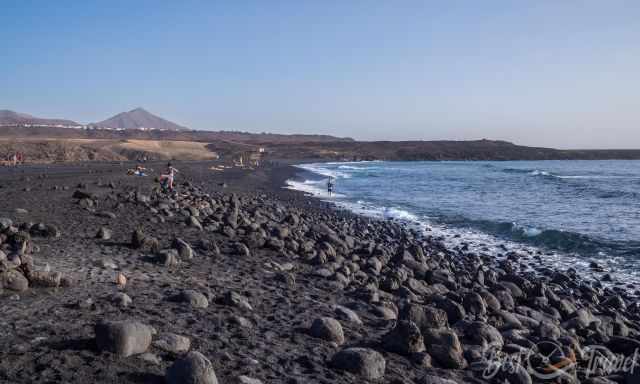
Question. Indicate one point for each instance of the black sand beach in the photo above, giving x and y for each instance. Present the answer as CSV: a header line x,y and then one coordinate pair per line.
x,y
268,284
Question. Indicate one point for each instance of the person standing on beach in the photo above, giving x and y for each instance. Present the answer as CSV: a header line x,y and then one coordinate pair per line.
x,y
330,185
169,176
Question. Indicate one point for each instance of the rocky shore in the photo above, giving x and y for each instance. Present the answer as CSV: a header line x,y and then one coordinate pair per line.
x,y
232,279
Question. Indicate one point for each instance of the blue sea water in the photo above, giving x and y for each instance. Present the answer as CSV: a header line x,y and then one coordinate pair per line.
x,y
573,212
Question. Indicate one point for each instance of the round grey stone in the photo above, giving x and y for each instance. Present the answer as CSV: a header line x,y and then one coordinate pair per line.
x,y
364,362
194,368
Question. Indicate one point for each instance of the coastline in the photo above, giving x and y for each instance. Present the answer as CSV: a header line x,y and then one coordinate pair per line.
x,y
269,263
504,236
526,282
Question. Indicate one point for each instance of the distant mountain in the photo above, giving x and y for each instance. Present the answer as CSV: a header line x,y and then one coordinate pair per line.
x,y
138,119
14,118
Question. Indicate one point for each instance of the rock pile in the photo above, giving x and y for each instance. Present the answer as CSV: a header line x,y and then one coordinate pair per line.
x,y
18,270
449,309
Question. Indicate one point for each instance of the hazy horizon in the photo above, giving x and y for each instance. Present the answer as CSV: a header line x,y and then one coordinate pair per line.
x,y
549,74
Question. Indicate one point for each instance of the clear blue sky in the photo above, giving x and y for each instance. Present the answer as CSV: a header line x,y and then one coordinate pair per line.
x,y
552,73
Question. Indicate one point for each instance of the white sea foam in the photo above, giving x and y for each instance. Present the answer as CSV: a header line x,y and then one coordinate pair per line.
x,y
323,171
527,231
352,162
595,177
400,214
538,172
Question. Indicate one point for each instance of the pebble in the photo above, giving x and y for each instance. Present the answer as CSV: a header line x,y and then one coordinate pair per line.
x,y
328,329
121,299
194,298
150,358
124,338
404,339
194,368
346,314
104,233
365,362
171,342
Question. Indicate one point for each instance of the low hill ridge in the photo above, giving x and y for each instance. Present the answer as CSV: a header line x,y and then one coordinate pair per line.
x,y
8,117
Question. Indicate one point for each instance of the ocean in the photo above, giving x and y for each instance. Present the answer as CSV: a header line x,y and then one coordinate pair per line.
x,y
571,213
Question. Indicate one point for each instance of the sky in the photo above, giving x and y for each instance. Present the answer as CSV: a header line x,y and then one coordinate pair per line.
x,y
559,73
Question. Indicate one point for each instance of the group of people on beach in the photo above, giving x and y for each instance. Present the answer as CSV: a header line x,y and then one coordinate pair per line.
x,y
166,179
15,158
